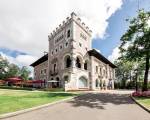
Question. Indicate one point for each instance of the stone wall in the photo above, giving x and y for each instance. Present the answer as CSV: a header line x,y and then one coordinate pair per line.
x,y
39,71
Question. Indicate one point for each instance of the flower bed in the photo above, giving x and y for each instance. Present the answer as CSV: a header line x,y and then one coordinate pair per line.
x,y
141,94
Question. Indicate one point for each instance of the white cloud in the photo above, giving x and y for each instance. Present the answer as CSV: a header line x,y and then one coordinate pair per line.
x,y
26,59
21,60
25,24
115,54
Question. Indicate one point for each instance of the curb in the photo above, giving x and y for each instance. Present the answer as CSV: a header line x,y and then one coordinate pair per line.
x,y
141,105
7,115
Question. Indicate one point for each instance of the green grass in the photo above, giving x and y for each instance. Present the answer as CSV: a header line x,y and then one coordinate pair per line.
x,y
13,100
144,101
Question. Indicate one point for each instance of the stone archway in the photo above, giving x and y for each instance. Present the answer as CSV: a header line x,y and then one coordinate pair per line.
x,y
67,61
82,82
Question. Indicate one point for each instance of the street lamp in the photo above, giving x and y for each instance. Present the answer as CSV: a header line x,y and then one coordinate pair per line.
x,y
136,80
136,76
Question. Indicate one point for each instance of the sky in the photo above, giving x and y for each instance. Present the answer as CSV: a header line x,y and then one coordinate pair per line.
x,y
25,25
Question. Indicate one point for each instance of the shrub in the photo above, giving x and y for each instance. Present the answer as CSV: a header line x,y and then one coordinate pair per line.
x,y
141,94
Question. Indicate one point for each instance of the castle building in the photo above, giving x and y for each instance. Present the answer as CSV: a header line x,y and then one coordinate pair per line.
x,y
71,63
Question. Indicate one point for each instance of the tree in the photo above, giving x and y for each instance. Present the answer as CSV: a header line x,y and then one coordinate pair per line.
x,y
13,70
3,67
24,73
135,43
123,71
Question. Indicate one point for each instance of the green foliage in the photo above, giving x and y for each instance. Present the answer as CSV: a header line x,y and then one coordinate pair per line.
x,y
24,73
123,71
4,64
13,70
135,43
10,70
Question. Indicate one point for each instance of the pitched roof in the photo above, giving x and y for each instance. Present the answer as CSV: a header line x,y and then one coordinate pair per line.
x,y
40,60
99,56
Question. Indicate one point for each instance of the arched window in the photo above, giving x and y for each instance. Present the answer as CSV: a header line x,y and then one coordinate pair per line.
x,y
66,78
67,62
78,63
68,33
85,65
97,83
82,82
54,67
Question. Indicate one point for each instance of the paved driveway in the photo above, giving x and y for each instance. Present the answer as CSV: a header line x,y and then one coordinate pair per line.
x,y
91,106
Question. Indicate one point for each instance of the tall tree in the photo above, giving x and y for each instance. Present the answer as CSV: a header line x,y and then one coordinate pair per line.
x,y
135,43
13,70
123,71
4,64
24,73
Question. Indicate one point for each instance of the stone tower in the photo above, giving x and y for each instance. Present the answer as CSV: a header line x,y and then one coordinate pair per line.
x,y
68,47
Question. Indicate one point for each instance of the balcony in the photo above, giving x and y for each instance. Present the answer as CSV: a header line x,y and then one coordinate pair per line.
x,y
54,73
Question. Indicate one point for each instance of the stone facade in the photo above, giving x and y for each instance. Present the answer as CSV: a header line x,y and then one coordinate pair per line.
x,y
71,62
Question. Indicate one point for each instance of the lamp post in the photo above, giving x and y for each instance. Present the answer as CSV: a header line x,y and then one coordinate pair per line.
x,y
136,76
136,80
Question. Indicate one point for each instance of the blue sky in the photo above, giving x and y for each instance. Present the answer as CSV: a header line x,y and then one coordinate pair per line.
x,y
24,30
118,25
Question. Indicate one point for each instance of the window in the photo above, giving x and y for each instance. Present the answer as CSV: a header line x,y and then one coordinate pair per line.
x,y
60,47
66,44
83,36
52,52
66,79
100,71
56,50
45,71
41,71
54,67
97,83
85,65
96,68
68,62
80,44
78,63
104,73
68,33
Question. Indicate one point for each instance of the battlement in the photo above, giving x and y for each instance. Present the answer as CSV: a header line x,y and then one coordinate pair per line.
x,y
74,17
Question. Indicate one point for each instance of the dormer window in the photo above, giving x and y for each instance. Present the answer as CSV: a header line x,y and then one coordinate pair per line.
x,y
68,33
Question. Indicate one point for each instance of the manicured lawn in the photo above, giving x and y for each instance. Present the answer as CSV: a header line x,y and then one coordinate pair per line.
x,y
13,100
144,101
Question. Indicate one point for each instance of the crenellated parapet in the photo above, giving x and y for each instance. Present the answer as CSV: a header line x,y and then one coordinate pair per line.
x,y
73,17
79,22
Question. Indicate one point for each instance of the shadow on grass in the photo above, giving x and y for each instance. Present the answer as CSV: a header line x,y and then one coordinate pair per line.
x,y
99,101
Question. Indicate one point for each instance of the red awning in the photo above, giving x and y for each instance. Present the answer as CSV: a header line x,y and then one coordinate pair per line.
x,y
14,79
38,81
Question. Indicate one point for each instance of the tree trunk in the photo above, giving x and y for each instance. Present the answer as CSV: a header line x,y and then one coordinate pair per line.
x,y
145,84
